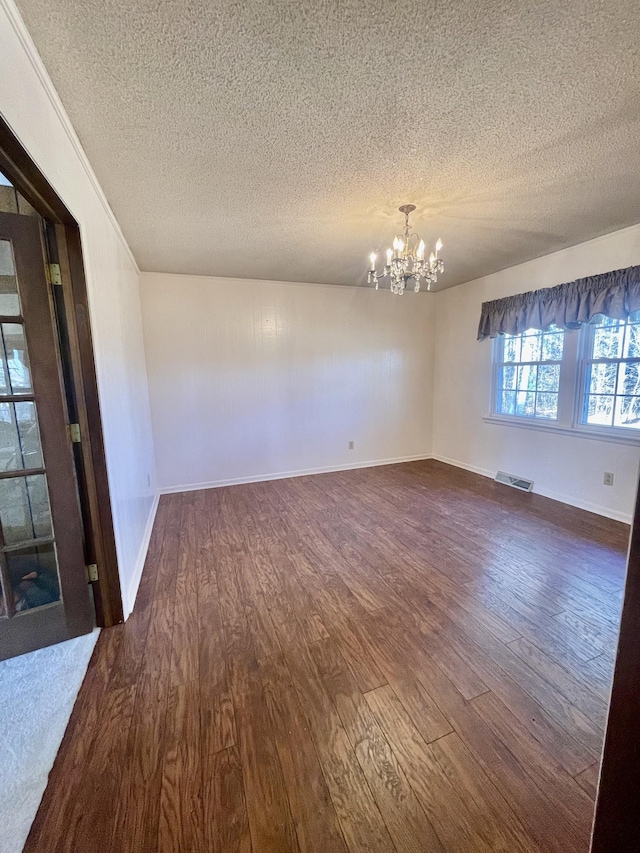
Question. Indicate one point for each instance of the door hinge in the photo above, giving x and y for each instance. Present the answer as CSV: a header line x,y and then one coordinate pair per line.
x,y
92,572
74,433
53,274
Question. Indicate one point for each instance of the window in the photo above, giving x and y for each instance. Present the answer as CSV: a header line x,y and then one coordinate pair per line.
x,y
586,380
528,374
612,373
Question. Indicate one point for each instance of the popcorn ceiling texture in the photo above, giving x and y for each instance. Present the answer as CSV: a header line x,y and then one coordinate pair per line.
x,y
275,140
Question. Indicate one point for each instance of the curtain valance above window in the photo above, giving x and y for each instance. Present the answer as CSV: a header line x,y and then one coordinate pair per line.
x,y
615,294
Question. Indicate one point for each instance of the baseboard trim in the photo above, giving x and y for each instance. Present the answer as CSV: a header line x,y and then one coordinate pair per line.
x,y
134,583
263,478
613,514
625,517
484,472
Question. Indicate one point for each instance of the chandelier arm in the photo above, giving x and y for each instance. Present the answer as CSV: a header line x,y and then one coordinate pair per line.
x,y
407,266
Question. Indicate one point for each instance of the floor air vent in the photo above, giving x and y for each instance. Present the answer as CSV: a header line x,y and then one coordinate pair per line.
x,y
514,482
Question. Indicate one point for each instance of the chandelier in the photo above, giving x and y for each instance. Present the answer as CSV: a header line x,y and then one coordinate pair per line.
x,y
406,262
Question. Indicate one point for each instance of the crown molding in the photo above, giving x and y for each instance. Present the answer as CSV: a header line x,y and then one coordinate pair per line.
x,y
20,29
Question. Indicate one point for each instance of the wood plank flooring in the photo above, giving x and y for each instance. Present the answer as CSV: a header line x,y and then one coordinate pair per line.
x,y
405,658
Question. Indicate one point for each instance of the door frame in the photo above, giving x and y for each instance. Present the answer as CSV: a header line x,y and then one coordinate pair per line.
x,y
71,613
617,818
63,241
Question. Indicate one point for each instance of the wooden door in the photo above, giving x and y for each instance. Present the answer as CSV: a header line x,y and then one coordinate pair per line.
x,y
44,597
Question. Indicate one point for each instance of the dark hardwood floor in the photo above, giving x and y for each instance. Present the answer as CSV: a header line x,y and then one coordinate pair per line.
x,y
405,658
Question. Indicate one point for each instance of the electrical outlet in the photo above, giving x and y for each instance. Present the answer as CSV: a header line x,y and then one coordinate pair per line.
x,y
350,445
608,478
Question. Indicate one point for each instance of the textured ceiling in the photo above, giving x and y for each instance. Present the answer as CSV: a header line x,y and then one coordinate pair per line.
x,y
275,140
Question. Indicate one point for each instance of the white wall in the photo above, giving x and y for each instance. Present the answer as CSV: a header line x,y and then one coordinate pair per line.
x,y
564,467
31,107
253,379
250,380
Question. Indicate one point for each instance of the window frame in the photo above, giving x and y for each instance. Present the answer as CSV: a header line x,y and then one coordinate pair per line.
x,y
572,393
587,342
499,363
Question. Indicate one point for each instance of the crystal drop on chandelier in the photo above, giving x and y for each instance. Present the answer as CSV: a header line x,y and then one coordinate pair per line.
x,y
405,261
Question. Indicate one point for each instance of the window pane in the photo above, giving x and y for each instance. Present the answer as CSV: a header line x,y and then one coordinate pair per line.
x,y
39,505
600,410
629,378
632,341
527,377
15,348
547,406
507,402
511,348
34,576
508,377
24,509
552,346
29,434
9,302
7,267
601,320
9,441
627,412
607,339
19,437
531,346
526,403
603,378
549,377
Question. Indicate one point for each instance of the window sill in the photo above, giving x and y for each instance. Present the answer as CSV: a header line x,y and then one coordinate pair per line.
x,y
576,432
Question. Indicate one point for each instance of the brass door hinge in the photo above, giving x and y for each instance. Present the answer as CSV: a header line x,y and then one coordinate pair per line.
x,y
74,433
92,572
53,274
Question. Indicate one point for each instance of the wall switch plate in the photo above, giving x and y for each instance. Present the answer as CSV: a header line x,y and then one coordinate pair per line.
x,y
608,478
350,445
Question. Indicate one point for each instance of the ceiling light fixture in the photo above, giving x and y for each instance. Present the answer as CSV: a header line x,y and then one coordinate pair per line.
x,y
406,261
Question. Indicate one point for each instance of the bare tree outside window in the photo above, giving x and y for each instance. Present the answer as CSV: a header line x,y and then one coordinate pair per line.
x,y
612,376
528,373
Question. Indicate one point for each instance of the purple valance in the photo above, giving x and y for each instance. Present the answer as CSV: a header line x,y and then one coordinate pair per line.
x,y
615,294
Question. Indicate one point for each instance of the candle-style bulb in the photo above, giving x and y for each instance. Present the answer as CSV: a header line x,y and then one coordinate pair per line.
x,y
432,258
420,251
372,258
438,245
389,256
